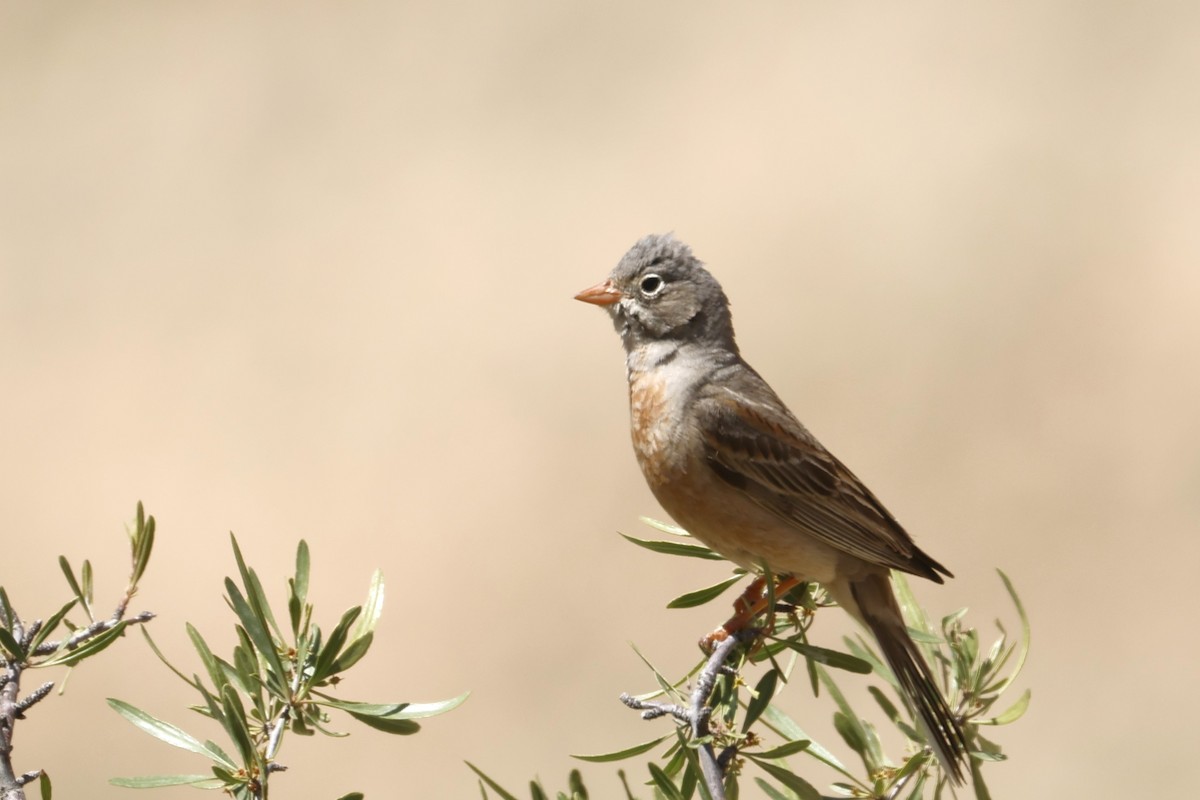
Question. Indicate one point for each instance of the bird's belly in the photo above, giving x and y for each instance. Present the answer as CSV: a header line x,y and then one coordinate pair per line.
x,y
727,521
717,514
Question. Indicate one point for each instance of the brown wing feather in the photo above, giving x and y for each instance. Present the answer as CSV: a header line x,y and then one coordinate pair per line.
x,y
770,456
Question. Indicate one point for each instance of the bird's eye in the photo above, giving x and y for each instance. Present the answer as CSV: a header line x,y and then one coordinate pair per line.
x,y
651,285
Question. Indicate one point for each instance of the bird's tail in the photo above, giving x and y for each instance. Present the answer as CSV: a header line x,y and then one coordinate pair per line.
x,y
875,606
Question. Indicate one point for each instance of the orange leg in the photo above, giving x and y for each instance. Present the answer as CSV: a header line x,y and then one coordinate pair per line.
x,y
749,605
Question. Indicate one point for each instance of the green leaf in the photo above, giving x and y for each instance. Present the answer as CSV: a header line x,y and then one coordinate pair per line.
x,y
352,796
154,647
333,645
620,755
44,788
784,750
922,637
352,654
86,650
159,781
237,726
165,731
256,628
370,709
665,527
51,624
831,658
210,662
770,791
11,646
142,544
848,723
69,574
372,609
663,783
874,748
1014,713
398,726
1023,650
8,616
85,578
786,727
675,548
299,586
851,734
764,691
803,789
495,787
702,596
575,784
399,710
889,708
977,784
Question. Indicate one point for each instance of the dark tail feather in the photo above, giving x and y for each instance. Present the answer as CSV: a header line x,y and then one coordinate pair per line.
x,y
882,615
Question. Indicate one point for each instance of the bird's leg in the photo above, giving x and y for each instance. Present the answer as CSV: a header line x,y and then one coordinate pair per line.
x,y
749,605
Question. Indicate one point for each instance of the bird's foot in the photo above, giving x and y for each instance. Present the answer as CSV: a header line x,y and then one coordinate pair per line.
x,y
749,605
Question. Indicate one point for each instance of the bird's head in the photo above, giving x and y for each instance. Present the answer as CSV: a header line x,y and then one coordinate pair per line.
x,y
659,291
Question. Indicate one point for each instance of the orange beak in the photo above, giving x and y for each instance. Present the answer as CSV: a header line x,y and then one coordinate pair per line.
x,y
602,294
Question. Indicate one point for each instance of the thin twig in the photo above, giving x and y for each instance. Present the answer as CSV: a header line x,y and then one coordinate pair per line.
x,y
697,714
91,631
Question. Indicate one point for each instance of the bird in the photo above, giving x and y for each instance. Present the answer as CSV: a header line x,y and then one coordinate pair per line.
x,y
734,467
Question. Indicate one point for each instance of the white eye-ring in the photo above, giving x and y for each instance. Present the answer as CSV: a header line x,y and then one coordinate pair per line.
x,y
651,284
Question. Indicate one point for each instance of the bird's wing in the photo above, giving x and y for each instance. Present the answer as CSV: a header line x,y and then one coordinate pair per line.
x,y
760,448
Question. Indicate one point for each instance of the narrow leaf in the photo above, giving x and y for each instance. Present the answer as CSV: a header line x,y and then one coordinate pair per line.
x,y
237,726
770,791
831,658
402,727
803,789
154,647
11,646
51,625
784,750
333,645
394,711
665,527
1013,714
786,727
675,548
372,609
159,781
1023,650
620,755
764,691
352,654
256,628
89,648
702,596
164,731
495,787
663,783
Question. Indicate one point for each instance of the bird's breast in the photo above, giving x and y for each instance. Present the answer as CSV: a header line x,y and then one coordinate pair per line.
x,y
655,423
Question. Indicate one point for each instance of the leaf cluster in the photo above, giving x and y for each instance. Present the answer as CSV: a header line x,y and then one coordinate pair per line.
x,y
279,680
30,644
758,742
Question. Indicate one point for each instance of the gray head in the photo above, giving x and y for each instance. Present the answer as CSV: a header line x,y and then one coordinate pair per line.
x,y
661,292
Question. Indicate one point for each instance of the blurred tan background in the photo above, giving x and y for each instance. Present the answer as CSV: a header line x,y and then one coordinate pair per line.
x,y
305,270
